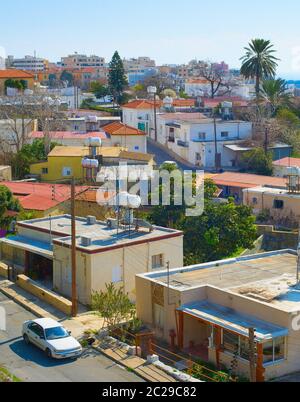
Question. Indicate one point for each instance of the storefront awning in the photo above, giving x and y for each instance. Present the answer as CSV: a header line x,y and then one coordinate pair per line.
x,y
28,244
231,320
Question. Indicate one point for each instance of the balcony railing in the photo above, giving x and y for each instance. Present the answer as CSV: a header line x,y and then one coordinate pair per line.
x,y
171,139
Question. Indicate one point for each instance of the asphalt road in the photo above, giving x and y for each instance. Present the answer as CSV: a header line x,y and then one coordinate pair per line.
x,y
31,365
162,156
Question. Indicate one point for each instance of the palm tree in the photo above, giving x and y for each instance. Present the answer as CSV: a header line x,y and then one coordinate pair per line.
x,y
273,92
259,62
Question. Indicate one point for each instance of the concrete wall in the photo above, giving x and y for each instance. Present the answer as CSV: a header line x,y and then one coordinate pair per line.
x,y
46,295
62,273
276,239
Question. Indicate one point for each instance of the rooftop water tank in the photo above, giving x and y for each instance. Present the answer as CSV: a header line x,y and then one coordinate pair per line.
x,y
93,142
127,200
90,163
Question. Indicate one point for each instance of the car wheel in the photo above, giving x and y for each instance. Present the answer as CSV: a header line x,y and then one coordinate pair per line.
x,y
48,353
26,339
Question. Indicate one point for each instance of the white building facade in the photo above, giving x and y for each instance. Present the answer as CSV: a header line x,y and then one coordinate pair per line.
x,y
202,141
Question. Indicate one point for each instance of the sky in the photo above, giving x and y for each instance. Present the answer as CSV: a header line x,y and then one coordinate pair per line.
x,y
170,31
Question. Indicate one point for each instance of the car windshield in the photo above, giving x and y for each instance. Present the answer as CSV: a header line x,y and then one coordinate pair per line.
x,y
56,333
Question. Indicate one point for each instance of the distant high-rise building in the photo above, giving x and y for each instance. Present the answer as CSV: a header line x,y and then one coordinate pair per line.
x,y
78,61
135,65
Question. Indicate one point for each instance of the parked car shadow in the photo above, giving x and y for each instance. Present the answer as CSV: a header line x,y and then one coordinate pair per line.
x,y
31,353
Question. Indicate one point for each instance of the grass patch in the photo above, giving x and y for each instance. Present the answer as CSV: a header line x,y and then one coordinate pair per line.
x,y
6,376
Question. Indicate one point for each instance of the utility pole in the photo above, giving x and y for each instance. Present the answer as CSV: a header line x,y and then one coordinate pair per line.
x,y
216,144
252,355
155,119
266,140
73,251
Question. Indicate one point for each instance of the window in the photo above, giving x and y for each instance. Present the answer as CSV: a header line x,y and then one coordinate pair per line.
x,y
67,172
202,136
157,261
224,134
254,201
44,170
36,329
117,275
278,204
274,350
198,156
236,345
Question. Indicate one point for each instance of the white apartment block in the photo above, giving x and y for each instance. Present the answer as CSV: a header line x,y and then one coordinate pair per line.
x,y
28,63
200,140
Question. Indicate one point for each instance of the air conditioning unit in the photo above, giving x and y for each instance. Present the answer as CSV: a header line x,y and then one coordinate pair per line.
x,y
91,220
86,241
112,223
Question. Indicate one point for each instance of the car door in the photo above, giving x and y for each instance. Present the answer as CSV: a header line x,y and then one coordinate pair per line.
x,y
41,339
34,333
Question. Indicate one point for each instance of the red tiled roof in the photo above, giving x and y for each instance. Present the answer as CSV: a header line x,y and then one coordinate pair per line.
x,y
245,180
40,196
148,104
288,162
15,74
67,135
237,101
122,129
95,195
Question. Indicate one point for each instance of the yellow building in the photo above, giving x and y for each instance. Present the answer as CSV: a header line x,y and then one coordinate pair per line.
x,y
66,162
16,75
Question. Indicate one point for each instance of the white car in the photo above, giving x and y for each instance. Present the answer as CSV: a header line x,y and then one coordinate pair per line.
x,y
52,338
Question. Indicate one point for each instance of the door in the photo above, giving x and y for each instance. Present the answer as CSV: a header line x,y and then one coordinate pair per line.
x,y
36,335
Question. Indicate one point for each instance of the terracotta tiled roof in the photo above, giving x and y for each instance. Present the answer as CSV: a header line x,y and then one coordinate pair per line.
x,y
245,180
122,129
136,156
288,162
96,195
148,104
15,74
40,196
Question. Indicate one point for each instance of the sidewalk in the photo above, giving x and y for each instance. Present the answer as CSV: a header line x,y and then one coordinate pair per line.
x,y
149,372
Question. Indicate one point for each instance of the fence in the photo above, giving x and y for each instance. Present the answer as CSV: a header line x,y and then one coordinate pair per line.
x,y
146,343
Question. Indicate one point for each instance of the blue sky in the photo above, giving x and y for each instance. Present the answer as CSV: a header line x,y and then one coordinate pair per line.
x,y
171,31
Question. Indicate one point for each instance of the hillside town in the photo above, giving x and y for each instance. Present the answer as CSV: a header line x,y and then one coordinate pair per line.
x,y
149,218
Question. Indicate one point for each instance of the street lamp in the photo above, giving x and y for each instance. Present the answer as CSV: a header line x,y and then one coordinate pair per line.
x,y
153,91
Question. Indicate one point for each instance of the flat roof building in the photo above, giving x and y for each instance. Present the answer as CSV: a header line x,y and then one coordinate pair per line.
x,y
106,252
211,307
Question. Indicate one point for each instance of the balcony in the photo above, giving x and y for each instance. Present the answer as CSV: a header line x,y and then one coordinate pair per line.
x,y
183,144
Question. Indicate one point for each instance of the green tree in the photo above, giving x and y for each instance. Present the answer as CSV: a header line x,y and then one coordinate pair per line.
x,y
221,232
113,305
258,162
117,80
67,77
99,90
259,62
273,92
29,154
7,203
21,85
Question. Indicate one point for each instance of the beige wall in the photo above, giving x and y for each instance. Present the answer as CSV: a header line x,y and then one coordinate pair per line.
x,y
265,201
194,332
130,142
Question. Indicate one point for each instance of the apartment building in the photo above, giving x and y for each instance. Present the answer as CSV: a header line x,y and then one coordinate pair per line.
x,y
76,61
29,63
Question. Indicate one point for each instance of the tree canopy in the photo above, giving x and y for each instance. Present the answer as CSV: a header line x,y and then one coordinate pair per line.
x,y
7,204
259,62
258,162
